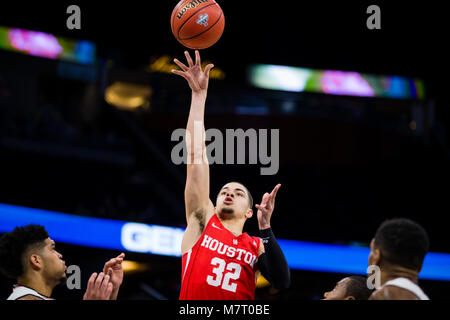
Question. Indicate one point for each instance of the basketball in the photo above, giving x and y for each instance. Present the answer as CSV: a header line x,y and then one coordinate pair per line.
x,y
197,24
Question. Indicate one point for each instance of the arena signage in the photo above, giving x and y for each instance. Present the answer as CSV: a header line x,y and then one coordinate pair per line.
x,y
165,240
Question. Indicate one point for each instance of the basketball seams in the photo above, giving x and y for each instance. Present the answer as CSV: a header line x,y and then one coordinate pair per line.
x,y
212,26
184,43
182,25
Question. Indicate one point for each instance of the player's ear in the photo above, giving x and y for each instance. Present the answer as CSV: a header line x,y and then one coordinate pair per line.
x,y
376,258
36,261
249,213
350,298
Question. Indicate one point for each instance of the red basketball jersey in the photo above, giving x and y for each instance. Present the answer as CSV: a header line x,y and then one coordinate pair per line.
x,y
220,266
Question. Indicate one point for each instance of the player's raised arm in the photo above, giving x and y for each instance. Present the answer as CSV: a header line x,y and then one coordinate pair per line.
x,y
272,262
197,200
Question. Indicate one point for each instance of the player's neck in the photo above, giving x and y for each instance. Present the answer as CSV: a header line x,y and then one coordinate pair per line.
x,y
233,225
36,282
394,272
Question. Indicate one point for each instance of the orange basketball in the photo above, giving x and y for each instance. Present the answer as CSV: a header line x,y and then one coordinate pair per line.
x,y
197,24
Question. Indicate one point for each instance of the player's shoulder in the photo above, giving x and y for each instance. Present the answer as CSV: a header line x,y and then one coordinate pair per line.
x,y
201,216
261,248
392,293
256,243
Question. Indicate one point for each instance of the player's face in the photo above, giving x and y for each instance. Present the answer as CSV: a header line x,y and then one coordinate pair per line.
x,y
55,267
374,256
339,292
233,201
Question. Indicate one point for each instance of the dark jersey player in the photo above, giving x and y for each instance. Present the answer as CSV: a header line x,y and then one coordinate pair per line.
x,y
219,261
28,255
349,288
399,248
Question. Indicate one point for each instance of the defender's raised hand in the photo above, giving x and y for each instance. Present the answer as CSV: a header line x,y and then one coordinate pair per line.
x,y
114,269
266,207
99,287
198,80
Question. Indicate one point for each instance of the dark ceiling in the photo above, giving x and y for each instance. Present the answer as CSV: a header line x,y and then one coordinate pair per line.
x,y
313,34
304,33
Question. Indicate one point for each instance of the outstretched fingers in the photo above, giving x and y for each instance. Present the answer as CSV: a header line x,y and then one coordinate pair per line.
x,y
264,201
98,282
266,198
91,281
109,290
181,64
189,59
198,61
113,262
273,194
274,191
208,69
105,283
181,73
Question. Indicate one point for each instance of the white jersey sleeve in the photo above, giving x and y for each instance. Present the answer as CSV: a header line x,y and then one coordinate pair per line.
x,y
21,291
407,284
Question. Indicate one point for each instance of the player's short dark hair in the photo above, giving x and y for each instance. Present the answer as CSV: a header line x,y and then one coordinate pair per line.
x,y
14,244
402,242
357,287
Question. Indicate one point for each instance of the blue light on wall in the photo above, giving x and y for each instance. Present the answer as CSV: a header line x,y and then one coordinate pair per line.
x,y
163,240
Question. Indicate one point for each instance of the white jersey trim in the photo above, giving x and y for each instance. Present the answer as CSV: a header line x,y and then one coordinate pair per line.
x,y
407,284
21,291
187,262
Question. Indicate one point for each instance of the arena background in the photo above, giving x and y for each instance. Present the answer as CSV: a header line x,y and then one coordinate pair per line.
x,y
346,163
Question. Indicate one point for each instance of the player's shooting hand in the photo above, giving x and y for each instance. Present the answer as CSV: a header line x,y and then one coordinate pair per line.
x,y
198,80
266,207
99,287
113,268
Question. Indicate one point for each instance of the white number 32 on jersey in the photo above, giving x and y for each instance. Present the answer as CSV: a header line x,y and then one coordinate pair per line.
x,y
233,274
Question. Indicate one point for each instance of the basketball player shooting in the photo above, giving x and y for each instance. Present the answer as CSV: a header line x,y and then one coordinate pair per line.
x,y
219,261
